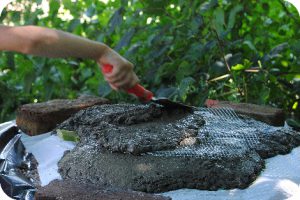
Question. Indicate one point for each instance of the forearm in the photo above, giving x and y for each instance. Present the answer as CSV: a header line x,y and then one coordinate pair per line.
x,y
58,44
52,43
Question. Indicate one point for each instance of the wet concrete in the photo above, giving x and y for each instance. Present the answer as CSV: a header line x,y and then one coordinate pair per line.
x,y
74,191
273,141
148,148
149,173
135,129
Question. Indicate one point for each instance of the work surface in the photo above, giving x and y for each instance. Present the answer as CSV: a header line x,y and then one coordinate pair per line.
x,y
280,179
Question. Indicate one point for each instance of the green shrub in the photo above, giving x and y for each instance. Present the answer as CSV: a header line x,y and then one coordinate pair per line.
x,y
242,51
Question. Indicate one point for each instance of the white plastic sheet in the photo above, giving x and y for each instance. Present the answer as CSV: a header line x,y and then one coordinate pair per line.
x,y
3,196
48,150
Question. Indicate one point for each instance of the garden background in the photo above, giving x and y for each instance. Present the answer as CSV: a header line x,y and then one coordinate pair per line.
x,y
186,50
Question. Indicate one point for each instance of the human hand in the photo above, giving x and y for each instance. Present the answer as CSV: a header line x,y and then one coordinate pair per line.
x,y
122,76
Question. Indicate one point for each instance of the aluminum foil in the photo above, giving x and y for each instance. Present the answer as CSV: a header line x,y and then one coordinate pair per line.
x,y
14,163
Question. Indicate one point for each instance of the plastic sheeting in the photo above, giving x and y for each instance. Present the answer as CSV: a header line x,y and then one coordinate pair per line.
x,y
48,150
13,157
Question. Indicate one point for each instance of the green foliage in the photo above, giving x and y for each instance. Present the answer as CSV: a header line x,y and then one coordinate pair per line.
x,y
243,51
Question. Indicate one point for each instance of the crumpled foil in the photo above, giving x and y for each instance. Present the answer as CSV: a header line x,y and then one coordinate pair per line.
x,y
13,161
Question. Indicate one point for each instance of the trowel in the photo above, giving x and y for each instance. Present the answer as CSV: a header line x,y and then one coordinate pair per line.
x,y
146,96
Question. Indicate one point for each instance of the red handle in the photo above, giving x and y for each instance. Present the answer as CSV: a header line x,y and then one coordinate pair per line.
x,y
137,90
107,68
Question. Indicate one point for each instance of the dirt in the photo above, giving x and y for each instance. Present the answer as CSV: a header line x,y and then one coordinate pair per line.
x,y
29,169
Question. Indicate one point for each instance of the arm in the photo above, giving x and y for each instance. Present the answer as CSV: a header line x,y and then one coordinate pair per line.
x,y
58,44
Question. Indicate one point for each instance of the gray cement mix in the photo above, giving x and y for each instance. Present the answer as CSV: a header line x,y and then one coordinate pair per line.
x,y
135,129
150,173
147,148
77,191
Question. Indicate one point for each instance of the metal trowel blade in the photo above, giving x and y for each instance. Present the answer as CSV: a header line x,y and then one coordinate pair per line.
x,y
171,104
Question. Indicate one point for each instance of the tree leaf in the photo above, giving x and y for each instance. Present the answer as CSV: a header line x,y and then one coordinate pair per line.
x,y
91,10
155,7
185,69
54,6
250,45
125,40
208,5
184,88
238,67
73,25
116,20
219,20
231,19
278,49
295,46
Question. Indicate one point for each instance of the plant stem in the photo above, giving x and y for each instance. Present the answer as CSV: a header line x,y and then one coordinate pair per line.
x,y
221,49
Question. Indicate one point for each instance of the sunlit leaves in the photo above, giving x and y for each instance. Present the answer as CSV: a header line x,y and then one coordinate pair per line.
x,y
238,67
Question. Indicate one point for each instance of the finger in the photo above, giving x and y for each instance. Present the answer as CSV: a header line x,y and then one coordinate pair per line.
x,y
127,82
113,87
135,80
118,78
